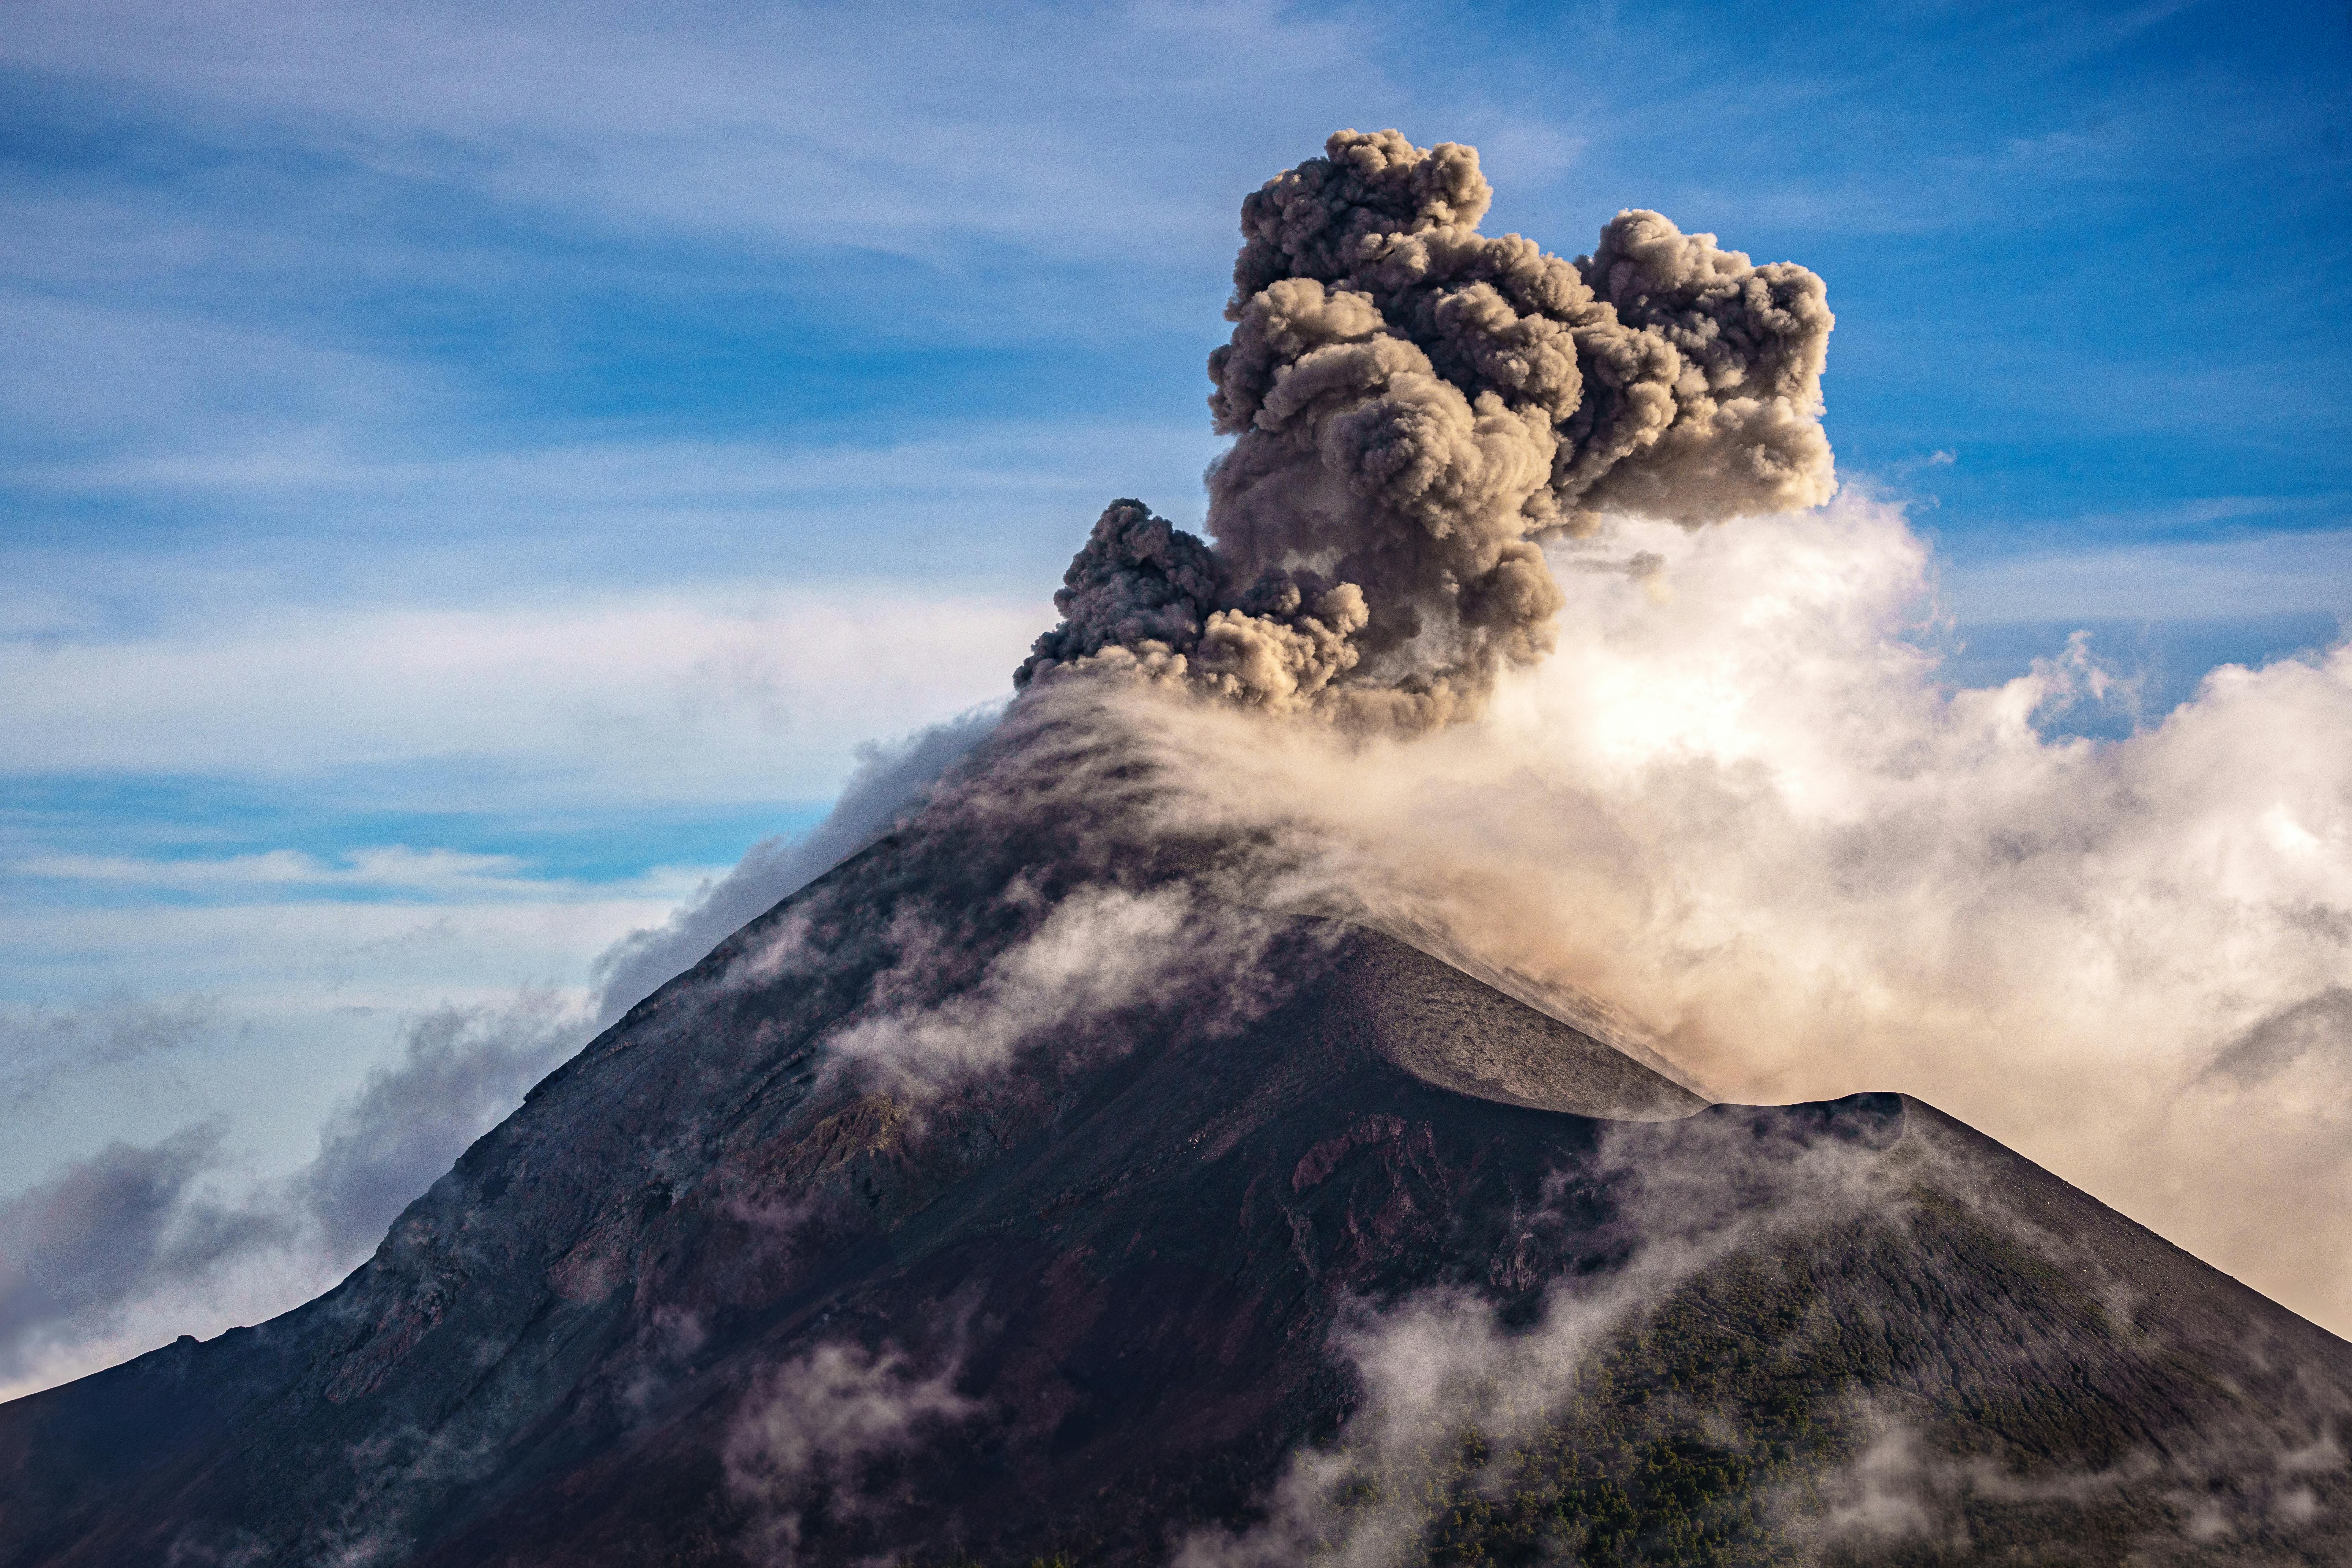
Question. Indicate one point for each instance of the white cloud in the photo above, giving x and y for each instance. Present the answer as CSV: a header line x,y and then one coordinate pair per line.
x,y
616,488
1441,1364
43,1046
390,867
112,1253
2265,574
296,998
173,1228
822,1418
1749,812
1099,952
745,124
740,695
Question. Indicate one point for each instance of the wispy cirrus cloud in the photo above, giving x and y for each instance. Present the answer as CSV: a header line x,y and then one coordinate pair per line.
x,y
745,694
2265,573
391,868
43,1046
736,121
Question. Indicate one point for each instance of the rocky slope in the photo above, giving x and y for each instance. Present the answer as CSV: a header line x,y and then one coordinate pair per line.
x,y
1019,1192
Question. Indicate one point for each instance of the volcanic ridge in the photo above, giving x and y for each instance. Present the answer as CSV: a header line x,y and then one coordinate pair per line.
x,y
1294,1240
1059,1181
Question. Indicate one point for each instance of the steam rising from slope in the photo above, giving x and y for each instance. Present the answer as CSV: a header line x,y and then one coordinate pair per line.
x,y
1414,405
810,1424
1740,806
1477,1427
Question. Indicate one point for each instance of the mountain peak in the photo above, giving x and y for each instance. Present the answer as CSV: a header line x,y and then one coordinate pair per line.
x,y
1030,1183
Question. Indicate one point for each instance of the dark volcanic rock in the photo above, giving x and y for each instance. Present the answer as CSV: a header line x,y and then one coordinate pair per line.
x,y
1013,1190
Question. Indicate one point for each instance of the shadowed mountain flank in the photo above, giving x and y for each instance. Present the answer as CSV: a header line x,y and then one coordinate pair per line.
x,y
1018,1189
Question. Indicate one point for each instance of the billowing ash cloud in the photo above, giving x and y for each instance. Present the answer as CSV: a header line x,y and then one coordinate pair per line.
x,y
1414,404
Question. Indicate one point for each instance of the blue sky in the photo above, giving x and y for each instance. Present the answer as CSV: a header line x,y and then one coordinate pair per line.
x,y
466,472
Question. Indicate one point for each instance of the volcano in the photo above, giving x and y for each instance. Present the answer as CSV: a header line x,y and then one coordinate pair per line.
x,y
1034,1187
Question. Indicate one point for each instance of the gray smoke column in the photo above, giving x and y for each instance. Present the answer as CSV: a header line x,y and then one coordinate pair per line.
x,y
1414,404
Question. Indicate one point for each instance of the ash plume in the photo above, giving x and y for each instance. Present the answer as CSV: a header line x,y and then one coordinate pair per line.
x,y
1415,405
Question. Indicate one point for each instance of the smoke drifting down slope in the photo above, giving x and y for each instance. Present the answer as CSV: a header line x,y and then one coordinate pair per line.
x,y
1026,1188
1717,788
1745,807
1415,405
